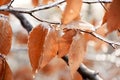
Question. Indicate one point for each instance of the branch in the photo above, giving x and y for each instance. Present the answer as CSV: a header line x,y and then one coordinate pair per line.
x,y
24,22
85,72
42,7
29,11
111,43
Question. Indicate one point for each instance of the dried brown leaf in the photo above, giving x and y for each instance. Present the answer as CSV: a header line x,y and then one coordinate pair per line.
x,y
3,2
113,18
71,11
35,2
76,52
50,48
8,73
5,35
35,45
65,42
23,73
21,37
77,76
81,25
5,72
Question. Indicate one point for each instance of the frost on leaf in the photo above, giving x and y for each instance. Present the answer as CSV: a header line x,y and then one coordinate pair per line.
x,y
65,42
5,72
76,52
81,25
5,35
71,11
50,48
113,16
35,45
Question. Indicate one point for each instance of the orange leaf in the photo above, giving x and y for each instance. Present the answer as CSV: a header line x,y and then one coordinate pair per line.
x,y
35,45
113,19
46,1
81,25
35,2
50,48
5,35
65,42
21,37
5,72
3,2
77,76
72,11
8,73
23,73
76,52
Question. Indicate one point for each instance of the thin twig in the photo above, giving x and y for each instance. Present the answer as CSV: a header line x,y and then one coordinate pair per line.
x,y
10,4
103,5
43,20
30,11
111,43
42,7
86,73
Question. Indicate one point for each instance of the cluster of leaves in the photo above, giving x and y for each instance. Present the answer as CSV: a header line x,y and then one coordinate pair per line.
x,y
47,41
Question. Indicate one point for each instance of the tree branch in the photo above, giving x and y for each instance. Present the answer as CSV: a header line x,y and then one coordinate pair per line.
x,y
24,22
29,11
111,43
85,72
42,7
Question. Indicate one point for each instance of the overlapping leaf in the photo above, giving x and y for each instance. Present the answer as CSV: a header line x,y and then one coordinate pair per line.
x,y
72,11
50,48
43,46
5,35
76,52
35,45
5,72
113,16
65,42
81,25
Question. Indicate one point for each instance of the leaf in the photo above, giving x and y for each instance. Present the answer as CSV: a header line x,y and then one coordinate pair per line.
x,y
46,1
23,73
113,18
5,35
5,72
35,45
77,76
82,25
8,73
50,48
35,2
21,37
76,52
65,42
71,11
3,2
